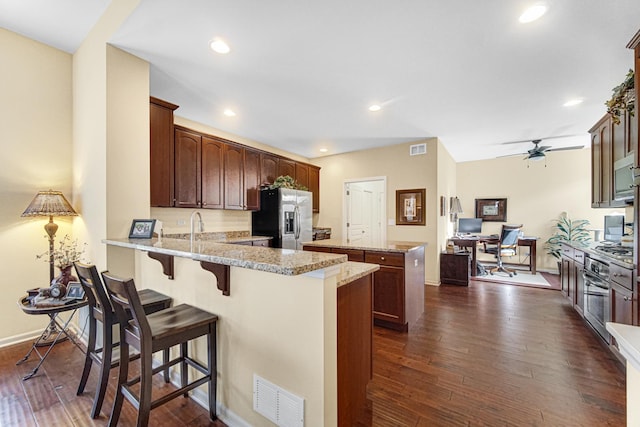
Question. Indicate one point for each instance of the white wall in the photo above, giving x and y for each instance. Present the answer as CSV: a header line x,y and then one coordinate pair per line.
x,y
35,118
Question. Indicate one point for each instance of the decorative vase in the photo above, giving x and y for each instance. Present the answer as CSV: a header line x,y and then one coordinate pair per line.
x,y
64,277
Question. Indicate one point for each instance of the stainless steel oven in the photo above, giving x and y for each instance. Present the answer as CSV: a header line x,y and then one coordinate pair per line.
x,y
596,294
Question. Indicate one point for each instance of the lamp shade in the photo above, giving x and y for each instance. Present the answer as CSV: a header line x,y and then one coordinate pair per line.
x,y
455,207
49,203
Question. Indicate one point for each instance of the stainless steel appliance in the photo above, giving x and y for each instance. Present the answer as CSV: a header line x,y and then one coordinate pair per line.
x,y
619,252
285,215
596,294
623,179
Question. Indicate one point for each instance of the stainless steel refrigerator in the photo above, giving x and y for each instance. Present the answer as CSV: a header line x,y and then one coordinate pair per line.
x,y
285,215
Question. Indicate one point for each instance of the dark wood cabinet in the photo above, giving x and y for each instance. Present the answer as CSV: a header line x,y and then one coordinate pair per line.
x,y
355,255
233,177
252,179
161,152
187,180
286,167
624,303
302,175
212,173
314,186
455,268
268,168
601,163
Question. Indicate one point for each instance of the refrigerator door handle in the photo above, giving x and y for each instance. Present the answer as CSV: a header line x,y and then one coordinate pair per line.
x,y
296,218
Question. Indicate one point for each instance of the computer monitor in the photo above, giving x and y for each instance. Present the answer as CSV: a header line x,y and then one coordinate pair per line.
x,y
613,228
469,225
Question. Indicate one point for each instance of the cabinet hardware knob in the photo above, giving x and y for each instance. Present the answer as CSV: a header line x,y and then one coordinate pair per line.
x,y
204,204
382,258
626,298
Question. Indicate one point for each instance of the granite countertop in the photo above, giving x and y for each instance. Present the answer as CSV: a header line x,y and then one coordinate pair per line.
x,y
628,338
350,271
388,246
280,261
220,236
590,249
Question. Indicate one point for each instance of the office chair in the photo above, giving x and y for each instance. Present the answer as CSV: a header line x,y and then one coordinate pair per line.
x,y
506,247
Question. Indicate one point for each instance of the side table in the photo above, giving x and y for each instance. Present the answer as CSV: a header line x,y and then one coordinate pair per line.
x,y
455,268
54,320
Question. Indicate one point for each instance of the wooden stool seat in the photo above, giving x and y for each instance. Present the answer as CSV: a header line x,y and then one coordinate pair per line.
x,y
158,332
100,310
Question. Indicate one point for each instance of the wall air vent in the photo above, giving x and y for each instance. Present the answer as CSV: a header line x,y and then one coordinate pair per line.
x,y
418,149
277,404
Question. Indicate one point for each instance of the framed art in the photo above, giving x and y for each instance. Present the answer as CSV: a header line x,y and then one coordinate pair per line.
x,y
410,207
492,209
142,228
75,291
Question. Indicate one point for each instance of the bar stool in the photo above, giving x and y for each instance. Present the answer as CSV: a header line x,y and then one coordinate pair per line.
x,y
100,309
152,333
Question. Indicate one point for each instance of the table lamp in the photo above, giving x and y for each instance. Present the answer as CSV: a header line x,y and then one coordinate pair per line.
x,y
49,203
455,208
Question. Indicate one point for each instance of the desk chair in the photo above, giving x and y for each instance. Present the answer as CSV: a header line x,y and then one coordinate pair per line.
x,y
506,246
101,310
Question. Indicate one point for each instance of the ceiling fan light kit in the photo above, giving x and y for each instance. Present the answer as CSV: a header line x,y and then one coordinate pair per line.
x,y
538,153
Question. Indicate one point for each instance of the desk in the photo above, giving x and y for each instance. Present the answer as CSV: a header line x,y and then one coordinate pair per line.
x,y
472,243
53,313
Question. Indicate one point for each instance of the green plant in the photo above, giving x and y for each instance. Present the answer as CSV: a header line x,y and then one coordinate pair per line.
x,y
567,230
285,181
623,98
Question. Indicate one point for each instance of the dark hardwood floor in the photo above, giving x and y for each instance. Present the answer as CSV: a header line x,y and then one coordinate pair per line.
x,y
484,355
495,355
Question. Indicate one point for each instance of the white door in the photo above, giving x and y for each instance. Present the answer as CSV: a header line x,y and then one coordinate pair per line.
x,y
363,222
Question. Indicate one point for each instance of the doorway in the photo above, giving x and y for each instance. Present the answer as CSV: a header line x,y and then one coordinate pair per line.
x,y
364,210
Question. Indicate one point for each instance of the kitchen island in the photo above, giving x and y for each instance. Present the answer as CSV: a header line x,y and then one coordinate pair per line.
x,y
299,320
398,295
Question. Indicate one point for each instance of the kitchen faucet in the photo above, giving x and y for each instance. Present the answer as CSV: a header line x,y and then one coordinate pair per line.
x,y
200,226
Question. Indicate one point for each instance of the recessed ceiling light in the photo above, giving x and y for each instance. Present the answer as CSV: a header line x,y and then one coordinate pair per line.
x,y
219,46
229,112
324,150
572,102
532,13
375,107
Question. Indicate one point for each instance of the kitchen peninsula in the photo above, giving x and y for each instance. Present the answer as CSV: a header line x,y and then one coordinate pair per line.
x,y
299,320
398,296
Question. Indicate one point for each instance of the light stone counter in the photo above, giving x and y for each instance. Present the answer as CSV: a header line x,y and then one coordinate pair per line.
x,y
628,339
280,261
351,271
387,246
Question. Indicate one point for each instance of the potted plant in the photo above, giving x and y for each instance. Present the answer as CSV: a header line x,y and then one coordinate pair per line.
x,y
285,181
567,230
623,98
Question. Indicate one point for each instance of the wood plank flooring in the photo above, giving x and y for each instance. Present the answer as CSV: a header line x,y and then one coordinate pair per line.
x,y
484,355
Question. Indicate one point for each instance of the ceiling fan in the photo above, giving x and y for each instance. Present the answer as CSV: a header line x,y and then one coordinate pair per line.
x,y
538,152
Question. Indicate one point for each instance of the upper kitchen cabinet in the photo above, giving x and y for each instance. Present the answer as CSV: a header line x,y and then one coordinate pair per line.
x,y
314,186
234,177
252,179
161,152
268,168
212,173
302,174
286,167
187,179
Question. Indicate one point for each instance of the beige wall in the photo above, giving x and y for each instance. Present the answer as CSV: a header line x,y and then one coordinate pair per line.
x,y
402,172
536,195
35,118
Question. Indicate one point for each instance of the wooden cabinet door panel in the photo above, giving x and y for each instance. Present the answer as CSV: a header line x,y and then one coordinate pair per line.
x,y
252,179
316,249
161,152
286,167
314,186
212,173
621,305
302,175
233,177
388,294
352,254
268,168
187,168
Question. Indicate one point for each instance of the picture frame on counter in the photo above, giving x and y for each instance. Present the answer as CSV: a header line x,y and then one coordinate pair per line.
x,y
142,228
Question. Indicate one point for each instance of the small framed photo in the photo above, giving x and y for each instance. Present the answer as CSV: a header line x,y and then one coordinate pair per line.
x,y
75,291
142,228
491,209
410,207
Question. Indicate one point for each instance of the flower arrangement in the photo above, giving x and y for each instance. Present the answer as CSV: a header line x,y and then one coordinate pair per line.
x,y
287,182
623,98
66,253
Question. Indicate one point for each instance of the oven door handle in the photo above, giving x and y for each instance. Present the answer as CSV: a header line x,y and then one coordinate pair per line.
x,y
596,285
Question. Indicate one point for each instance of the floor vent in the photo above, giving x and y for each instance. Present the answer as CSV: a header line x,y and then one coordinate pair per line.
x,y
418,149
277,404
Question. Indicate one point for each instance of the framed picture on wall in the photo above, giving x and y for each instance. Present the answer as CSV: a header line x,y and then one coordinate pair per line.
x,y
410,207
492,209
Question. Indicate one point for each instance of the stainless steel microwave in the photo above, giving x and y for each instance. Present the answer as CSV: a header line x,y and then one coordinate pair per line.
x,y
623,179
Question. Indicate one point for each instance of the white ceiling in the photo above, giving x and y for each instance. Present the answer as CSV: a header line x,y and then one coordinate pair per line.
x,y
301,73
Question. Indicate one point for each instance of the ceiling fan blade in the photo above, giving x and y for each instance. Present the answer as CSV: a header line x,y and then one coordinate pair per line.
x,y
575,147
536,139
511,155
